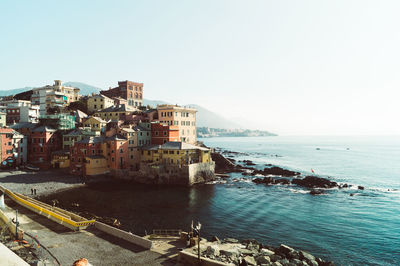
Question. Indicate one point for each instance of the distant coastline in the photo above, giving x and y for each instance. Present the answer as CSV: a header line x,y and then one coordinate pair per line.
x,y
207,132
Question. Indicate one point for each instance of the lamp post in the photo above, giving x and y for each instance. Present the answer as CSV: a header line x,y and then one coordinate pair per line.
x,y
198,227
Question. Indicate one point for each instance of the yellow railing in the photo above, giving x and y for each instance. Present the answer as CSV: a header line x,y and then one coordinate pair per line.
x,y
60,218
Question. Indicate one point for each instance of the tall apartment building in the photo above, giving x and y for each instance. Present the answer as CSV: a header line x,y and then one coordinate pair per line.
x,y
183,117
53,96
19,111
129,90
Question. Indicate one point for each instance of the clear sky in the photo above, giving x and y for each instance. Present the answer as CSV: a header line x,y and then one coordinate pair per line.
x,y
291,67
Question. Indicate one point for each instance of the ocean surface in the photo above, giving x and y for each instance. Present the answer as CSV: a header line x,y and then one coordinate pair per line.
x,y
363,229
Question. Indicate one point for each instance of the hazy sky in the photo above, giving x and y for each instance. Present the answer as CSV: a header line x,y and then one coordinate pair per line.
x,y
291,67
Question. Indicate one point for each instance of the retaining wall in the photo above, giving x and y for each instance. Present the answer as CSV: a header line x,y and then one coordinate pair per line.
x,y
137,240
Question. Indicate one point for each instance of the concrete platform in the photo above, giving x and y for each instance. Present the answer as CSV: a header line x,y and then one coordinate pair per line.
x,y
99,248
7,257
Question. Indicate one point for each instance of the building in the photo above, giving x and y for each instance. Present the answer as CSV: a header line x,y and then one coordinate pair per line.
x,y
77,135
163,133
183,117
117,154
129,90
13,147
79,116
143,133
115,113
3,119
54,97
58,121
175,163
60,159
98,102
20,111
95,124
91,146
44,140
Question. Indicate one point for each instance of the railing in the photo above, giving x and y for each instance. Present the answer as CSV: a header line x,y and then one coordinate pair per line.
x,y
56,214
167,232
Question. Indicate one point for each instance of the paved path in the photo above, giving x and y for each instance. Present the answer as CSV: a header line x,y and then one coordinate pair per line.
x,y
96,246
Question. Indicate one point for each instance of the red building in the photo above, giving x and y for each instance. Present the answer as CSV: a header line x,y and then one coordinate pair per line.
x,y
128,90
6,143
42,142
162,133
13,115
80,150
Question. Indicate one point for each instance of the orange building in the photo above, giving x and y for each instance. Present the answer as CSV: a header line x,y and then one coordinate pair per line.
x,y
117,152
162,133
128,90
6,141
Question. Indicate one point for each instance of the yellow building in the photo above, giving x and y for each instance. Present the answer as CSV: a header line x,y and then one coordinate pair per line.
x,y
175,153
96,165
183,117
115,113
98,102
94,123
60,159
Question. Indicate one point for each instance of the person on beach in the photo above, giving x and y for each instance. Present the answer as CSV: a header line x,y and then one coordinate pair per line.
x,y
31,191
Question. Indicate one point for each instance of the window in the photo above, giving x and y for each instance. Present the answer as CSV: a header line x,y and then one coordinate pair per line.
x,y
148,153
41,149
112,159
171,152
156,133
121,151
165,133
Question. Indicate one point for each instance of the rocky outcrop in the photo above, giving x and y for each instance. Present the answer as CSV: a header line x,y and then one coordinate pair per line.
x,y
277,171
314,182
250,252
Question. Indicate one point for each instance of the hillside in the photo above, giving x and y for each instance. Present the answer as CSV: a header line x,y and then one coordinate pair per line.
x,y
205,117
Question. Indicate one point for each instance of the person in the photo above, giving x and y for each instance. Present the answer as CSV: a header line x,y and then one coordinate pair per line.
x,y
188,240
31,191
34,191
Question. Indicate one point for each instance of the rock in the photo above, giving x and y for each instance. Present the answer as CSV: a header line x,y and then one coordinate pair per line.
x,y
263,260
215,239
266,252
282,181
246,252
306,256
283,249
232,254
293,255
212,251
314,182
360,187
277,171
313,263
351,194
296,261
316,192
266,180
284,261
250,260
276,263
253,247
275,257
231,240
253,241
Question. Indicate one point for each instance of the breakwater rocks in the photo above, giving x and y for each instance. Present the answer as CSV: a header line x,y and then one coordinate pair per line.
x,y
251,252
273,175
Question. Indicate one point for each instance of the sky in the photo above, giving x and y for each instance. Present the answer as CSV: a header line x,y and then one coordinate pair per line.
x,y
290,67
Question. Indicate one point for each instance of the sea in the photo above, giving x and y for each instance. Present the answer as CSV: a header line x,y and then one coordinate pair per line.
x,y
347,226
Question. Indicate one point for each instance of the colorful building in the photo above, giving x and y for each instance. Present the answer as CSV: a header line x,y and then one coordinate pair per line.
x,y
44,140
60,159
98,102
162,133
55,96
77,135
115,113
90,146
58,121
95,124
183,117
129,90
6,146
175,163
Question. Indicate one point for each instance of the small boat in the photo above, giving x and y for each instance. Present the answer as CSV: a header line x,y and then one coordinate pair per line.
x,y
317,149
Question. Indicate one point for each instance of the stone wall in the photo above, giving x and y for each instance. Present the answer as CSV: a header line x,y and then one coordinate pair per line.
x,y
174,174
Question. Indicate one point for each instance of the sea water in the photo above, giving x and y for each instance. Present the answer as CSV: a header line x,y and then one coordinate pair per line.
x,y
347,226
